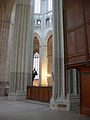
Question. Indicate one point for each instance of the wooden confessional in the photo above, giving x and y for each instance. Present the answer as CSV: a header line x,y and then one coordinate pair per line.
x,y
77,45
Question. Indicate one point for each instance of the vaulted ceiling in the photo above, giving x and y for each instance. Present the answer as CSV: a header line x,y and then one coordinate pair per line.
x,y
6,7
5,2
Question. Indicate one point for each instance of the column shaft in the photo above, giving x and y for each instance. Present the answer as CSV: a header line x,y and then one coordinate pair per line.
x,y
21,49
4,34
58,49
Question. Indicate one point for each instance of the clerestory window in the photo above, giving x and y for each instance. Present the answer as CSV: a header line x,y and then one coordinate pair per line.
x,y
37,6
49,5
38,22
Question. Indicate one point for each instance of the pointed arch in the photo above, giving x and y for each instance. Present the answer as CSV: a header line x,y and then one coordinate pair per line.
x,y
49,58
35,45
38,37
48,35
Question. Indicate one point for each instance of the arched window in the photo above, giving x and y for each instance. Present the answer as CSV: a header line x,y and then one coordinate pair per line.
x,y
36,64
49,5
38,22
48,22
49,60
37,6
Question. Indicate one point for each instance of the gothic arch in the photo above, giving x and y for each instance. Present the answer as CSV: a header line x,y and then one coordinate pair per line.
x,y
49,59
38,37
35,45
48,35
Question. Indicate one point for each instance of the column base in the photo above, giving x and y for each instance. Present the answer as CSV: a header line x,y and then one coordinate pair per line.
x,y
17,96
74,103
2,91
59,104
4,88
66,104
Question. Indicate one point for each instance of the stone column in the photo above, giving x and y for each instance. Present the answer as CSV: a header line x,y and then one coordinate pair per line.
x,y
21,50
43,65
4,33
73,96
75,82
30,44
72,82
58,99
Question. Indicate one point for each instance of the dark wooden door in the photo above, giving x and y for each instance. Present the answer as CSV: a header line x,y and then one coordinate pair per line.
x,y
85,90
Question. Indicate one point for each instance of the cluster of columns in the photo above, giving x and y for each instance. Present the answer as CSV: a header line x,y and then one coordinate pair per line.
x,y
4,34
73,89
58,53
21,50
72,81
61,99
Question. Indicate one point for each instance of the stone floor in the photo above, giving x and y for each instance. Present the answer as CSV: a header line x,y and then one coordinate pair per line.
x,y
25,110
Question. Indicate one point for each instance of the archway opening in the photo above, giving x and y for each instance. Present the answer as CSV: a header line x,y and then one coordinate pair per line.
x,y
49,60
42,51
36,61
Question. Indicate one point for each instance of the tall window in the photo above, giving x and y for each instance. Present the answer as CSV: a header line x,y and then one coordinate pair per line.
x,y
37,6
36,64
49,5
48,22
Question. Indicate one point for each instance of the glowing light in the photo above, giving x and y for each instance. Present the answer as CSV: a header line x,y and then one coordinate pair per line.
x,y
44,78
48,75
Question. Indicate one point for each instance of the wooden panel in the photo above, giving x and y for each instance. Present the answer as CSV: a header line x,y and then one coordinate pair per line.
x,y
77,31
79,58
77,44
85,90
39,93
87,5
28,91
36,93
74,13
88,30
76,41
87,8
